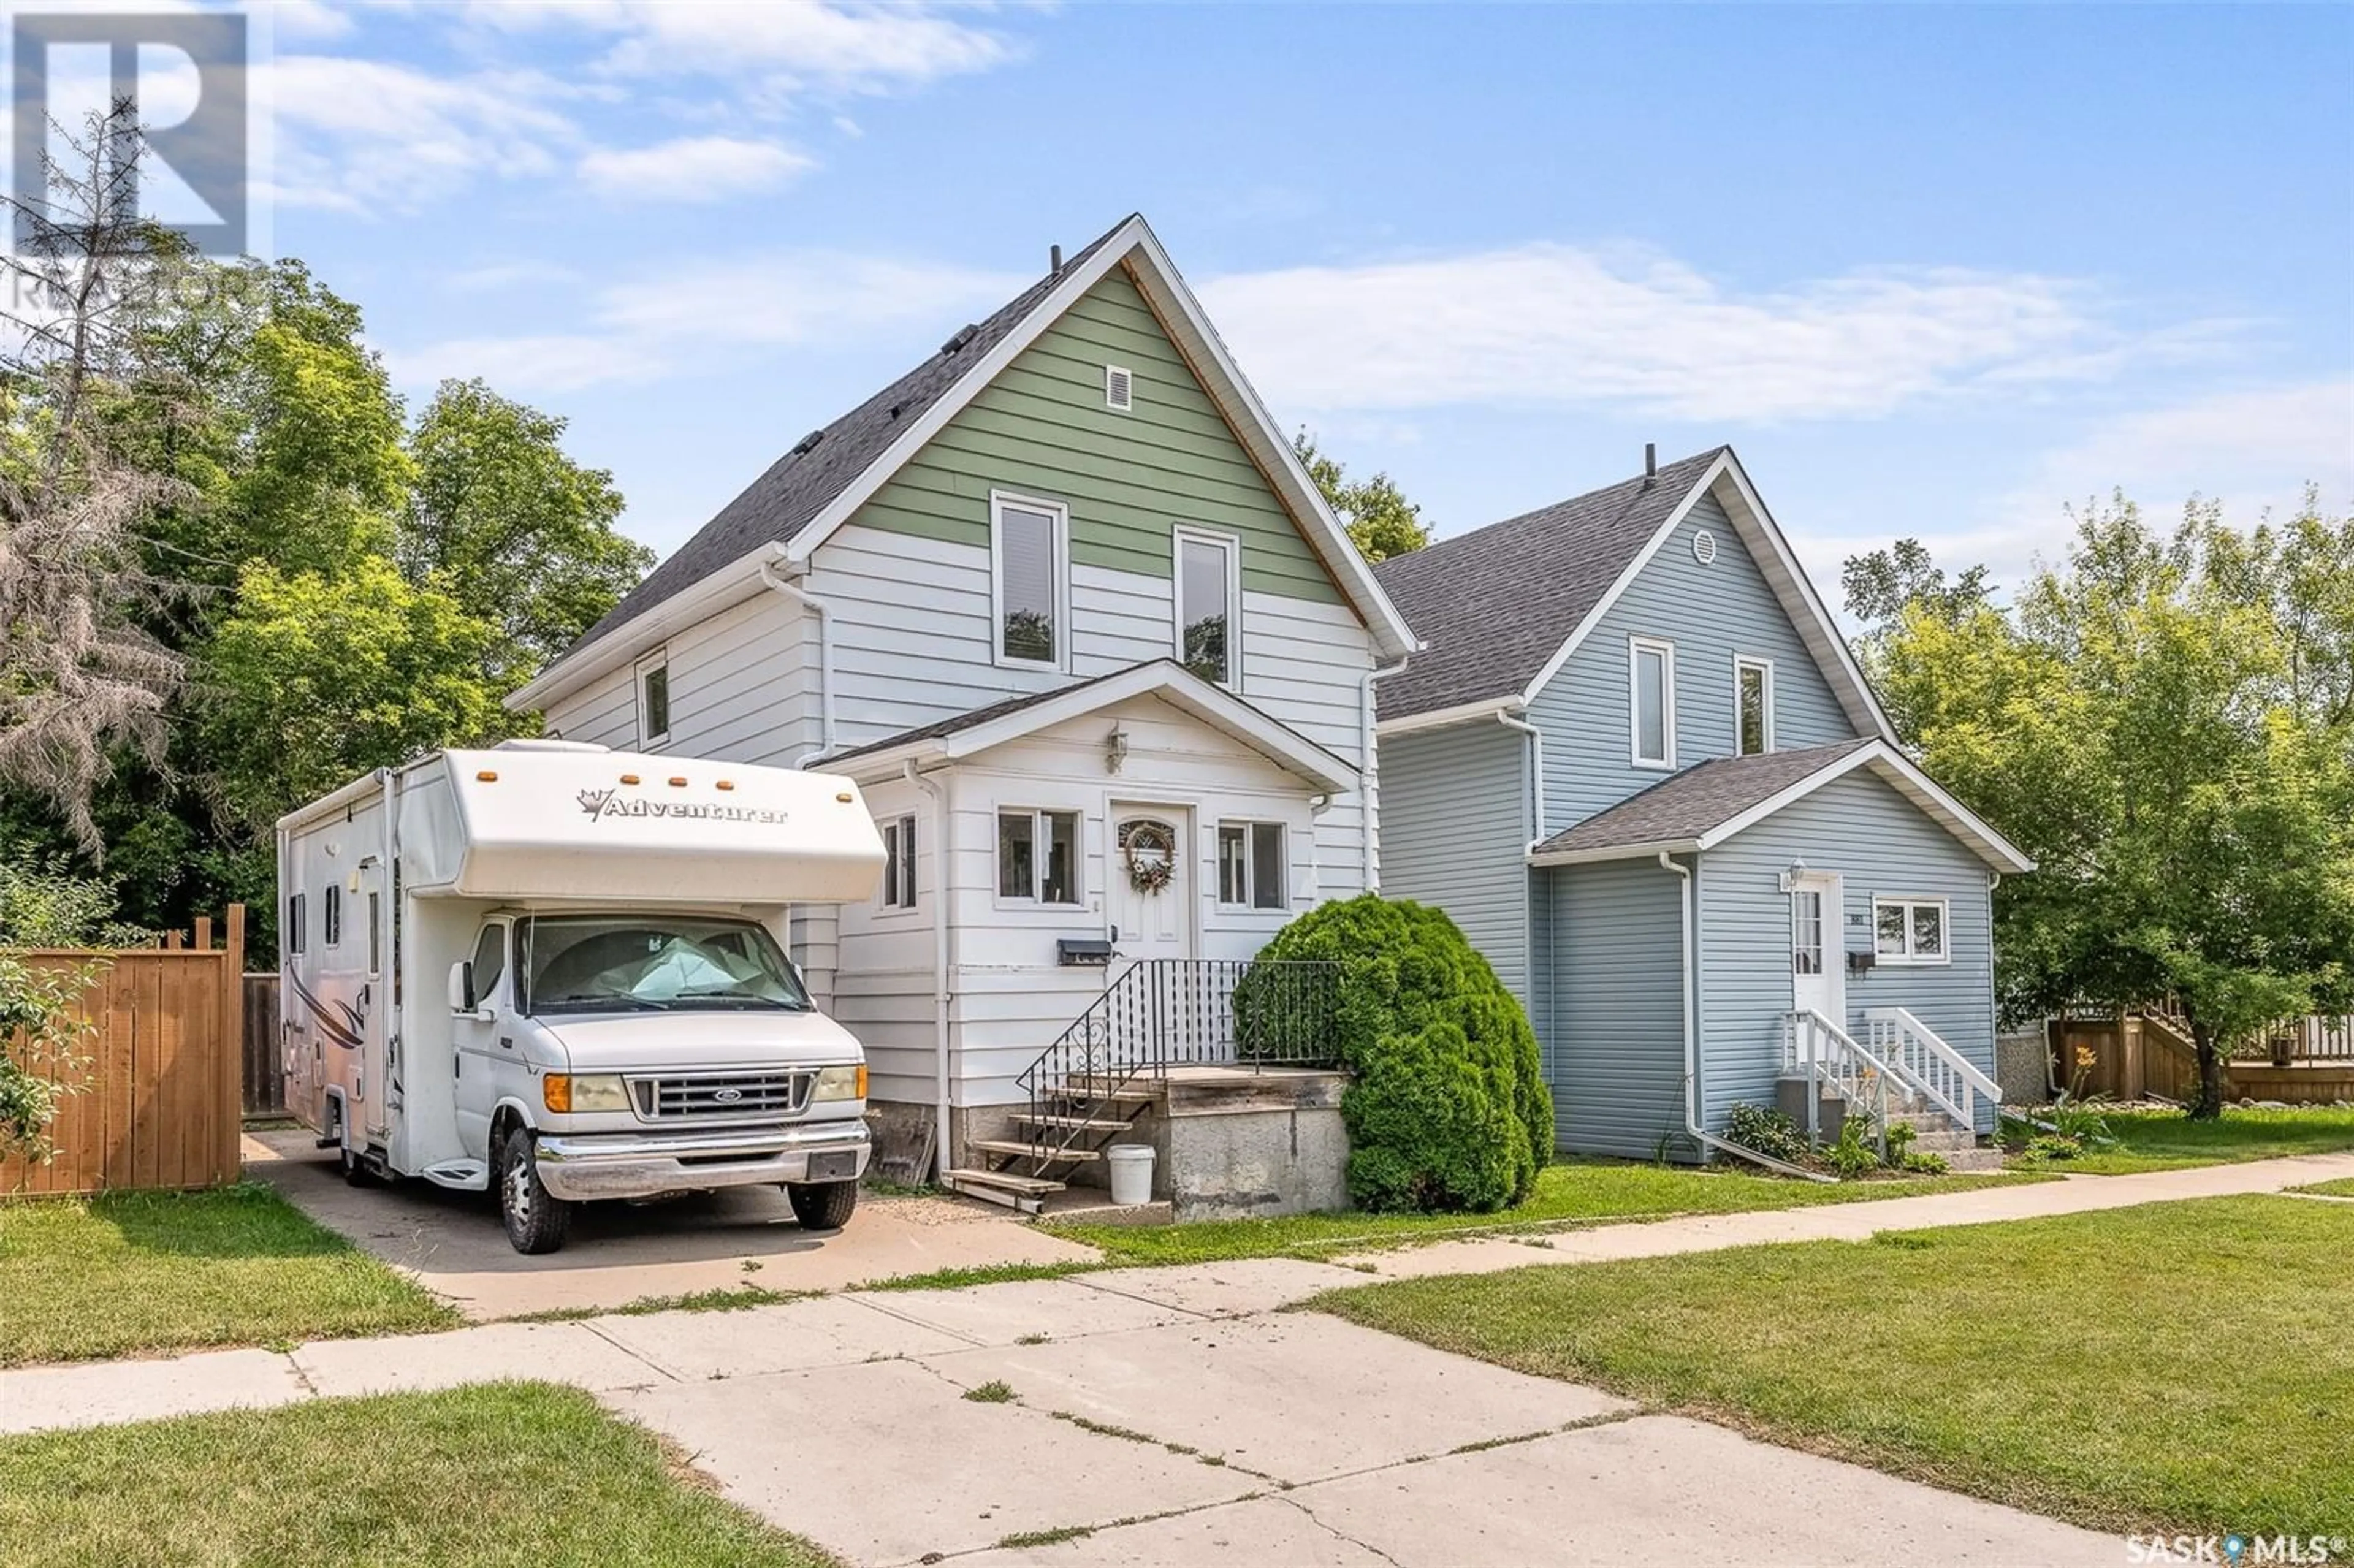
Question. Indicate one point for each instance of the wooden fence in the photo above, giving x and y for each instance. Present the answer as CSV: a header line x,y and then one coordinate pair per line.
x,y
159,1093
2152,1057
265,1065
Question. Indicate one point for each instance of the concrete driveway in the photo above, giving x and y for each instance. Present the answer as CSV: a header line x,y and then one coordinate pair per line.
x,y
452,1242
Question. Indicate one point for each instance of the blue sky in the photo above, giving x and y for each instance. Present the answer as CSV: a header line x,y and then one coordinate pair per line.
x,y
1933,271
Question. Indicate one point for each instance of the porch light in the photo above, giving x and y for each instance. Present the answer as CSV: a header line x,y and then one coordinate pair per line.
x,y
1790,877
1115,750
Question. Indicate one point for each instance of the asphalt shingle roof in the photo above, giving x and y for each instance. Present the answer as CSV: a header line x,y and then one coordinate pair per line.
x,y
984,716
804,483
1686,805
1493,605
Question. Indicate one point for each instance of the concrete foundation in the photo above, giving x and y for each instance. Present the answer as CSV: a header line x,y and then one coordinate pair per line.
x,y
1831,1111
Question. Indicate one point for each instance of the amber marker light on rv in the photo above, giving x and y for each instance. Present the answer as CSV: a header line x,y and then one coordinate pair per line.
x,y
678,783
724,784
628,777
487,777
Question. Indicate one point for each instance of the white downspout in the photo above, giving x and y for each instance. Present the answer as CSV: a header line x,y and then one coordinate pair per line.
x,y
941,859
1692,1045
1536,773
824,614
1365,785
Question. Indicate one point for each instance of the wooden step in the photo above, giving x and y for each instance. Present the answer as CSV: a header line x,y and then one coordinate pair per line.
x,y
1095,1086
1008,1181
1092,1123
1033,1151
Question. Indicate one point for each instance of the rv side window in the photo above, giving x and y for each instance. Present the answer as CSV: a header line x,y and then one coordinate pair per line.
x,y
490,962
295,922
331,915
376,934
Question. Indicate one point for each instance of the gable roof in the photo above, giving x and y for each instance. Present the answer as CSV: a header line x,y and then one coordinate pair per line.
x,y
1492,606
783,515
1501,608
1707,803
971,733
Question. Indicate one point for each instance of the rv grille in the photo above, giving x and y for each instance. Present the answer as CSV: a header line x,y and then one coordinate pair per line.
x,y
723,1094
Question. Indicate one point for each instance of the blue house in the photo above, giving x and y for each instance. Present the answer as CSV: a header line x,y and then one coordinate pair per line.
x,y
1637,764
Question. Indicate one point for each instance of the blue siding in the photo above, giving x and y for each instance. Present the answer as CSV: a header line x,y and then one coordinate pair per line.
x,y
1712,613
1880,843
1617,1065
1454,833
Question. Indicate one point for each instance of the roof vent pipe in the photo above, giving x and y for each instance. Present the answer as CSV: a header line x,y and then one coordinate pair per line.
x,y
1650,459
1054,260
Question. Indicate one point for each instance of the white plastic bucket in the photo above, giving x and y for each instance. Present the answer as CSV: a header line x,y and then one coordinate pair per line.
x,y
1132,1172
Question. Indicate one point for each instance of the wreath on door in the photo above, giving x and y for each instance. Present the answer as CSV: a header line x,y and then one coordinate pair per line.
x,y
1149,850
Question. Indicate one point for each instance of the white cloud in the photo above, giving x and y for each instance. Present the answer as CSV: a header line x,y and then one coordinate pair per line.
x,y
362,135
674,319
691,169
785,47
1546,324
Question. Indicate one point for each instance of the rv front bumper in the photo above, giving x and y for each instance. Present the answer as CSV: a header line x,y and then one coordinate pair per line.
x,y
642,1165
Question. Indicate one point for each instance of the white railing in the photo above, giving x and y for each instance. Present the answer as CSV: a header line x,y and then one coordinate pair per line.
x,y
1816,1049
1912,1051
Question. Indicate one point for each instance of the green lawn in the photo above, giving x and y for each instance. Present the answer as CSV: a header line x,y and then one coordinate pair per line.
x,y
2175,1366
2168,1140
125,1274
2342,1188
499,1473
1579,1191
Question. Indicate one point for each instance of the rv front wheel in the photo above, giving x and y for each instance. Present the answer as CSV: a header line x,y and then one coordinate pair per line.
x,y
823,1206
536,1219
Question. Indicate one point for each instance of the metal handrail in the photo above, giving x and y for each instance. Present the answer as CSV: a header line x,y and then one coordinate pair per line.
x,y
1171,1012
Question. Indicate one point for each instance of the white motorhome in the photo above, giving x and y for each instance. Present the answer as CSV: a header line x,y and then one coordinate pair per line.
x,y
555,969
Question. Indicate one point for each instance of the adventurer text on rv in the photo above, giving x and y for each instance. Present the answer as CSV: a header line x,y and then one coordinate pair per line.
x,y
557,972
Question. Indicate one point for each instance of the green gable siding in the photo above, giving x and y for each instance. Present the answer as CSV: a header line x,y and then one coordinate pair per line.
x,y
1042,428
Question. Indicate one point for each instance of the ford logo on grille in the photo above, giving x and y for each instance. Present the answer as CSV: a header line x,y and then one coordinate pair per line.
x,y
726,1096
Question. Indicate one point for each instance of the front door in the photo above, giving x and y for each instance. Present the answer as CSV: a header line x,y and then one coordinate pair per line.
x,y
1818,958
1151,877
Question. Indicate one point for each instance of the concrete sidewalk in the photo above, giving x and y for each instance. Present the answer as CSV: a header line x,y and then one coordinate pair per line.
x,y
1159,1416
1851,1222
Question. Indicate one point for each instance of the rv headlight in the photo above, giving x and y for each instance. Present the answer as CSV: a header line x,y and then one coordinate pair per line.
x,y
846,1083
566,1092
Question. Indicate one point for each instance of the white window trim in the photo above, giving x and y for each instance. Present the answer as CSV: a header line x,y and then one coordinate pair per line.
x,y
999,500
1636,647
1232,543
1742,663
1249,905
657,660
1908,959
1037,860
904,824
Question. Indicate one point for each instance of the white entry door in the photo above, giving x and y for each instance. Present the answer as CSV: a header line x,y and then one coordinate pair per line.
x,y
1818,946
1152,878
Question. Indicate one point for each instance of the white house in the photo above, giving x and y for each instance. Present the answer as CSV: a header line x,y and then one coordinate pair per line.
x,y
1064,603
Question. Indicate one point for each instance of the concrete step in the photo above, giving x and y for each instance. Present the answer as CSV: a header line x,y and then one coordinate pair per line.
x,y
1034,1150
1971,1159
1944,1143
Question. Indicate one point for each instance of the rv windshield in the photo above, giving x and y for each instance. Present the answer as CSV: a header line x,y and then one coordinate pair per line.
x,y
665,963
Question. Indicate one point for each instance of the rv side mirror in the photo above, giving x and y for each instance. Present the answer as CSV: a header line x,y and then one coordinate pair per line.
x,y
462,987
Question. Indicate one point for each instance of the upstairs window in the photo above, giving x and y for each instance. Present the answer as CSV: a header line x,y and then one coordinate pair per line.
x,y
899,863
1038,856
1753,707
1909,930
1209,603
1251,866
1029,558
654,699
1652,701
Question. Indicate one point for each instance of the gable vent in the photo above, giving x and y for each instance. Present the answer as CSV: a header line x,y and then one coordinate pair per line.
x,y
1119,389
1703,545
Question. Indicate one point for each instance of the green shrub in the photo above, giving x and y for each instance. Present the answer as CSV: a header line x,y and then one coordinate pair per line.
x,y
1921,1162
1771,1133
1449,1109
1853,1154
